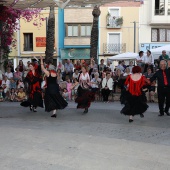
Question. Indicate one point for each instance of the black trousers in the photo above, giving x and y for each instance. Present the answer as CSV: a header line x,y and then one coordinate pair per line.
x,y
105,94
163,98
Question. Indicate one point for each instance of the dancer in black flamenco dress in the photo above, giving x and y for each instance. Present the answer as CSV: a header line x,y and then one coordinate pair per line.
x,y
33,79
53,99
135,100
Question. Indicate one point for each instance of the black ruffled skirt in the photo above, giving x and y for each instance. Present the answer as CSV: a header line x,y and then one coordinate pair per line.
x,y
84,97
35,101
54,102
134,105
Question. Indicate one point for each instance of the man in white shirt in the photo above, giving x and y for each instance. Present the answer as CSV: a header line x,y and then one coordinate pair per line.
x,y
149,61
76,74
9,74
5,84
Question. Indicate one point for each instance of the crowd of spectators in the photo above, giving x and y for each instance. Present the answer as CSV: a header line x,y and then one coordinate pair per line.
x,y
105,78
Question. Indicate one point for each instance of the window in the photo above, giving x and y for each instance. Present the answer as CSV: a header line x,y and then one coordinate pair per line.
x,y
168,7
78,30
159,7
72,31
160,35
85,30
28,41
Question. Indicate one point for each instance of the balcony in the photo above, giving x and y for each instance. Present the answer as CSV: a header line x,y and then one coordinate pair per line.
x,y
159,12
160,17
114,21
109,48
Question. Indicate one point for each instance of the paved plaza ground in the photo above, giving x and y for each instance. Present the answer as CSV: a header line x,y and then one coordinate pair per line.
x,y
101,140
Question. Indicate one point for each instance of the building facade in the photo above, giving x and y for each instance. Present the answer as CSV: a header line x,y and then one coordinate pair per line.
x,y
119,30
154,24
31,39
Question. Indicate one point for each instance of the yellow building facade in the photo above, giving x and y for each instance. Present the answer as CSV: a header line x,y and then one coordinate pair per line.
x,y
31,40
116,30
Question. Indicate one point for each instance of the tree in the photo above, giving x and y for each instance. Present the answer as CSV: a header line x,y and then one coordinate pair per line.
x,y
95,33
8,25
50,37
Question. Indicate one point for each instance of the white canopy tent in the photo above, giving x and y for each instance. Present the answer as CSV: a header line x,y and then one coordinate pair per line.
x,y
156,52
160,49
124,56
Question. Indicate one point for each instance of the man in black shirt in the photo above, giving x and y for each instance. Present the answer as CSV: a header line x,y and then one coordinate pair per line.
x,y
163,79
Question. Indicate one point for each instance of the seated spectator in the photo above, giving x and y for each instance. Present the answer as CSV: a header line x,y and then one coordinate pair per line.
x,y
77,66
5,85
102,67
20,84
107,86
131,66
76,74
9,74
12,95
150,88
95,82
61,67
110,65
12,84
59,76
74,87
68,70
65,94
121,66
26,69
17,75
117,75
93,67
21,96
69,85
1,77
127,72
10,65
1,94
21,66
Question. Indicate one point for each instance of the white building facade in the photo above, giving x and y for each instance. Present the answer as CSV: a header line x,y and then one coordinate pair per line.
x,y
154,24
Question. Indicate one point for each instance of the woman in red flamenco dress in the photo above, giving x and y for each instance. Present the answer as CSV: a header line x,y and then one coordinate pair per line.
x,y
33,79
135,100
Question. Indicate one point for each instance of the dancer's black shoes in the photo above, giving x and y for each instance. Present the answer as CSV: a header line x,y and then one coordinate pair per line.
x,y
54,115
85,111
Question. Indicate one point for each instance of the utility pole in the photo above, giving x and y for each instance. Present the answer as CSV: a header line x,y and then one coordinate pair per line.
x,y
134,43
134,36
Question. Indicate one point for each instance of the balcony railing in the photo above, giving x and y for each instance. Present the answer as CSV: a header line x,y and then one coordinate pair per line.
x,y
114,21
109,48
159,12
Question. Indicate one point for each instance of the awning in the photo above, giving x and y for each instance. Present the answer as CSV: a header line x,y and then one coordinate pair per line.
x,y
76,53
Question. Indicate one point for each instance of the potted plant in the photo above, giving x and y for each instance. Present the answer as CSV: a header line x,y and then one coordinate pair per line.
x,y
119,21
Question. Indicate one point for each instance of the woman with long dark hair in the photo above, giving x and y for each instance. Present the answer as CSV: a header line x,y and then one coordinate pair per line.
x,y
84,93
135,100
53,99
33,79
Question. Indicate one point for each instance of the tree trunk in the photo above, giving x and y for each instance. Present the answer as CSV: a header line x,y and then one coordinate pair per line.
x,y
95,34
50,37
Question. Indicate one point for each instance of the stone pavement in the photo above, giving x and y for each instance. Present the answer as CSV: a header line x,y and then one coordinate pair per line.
x,y
101,140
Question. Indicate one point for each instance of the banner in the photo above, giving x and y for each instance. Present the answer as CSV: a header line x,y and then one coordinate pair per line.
x,y
40,41
76,53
